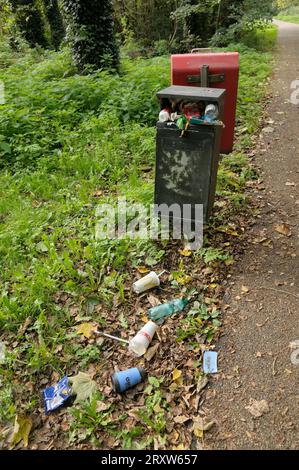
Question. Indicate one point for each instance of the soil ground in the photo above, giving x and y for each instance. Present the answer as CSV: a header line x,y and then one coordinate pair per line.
x,y
262,298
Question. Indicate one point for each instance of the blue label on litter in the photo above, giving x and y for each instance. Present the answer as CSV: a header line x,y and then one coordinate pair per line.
x,y
55,396
210,362
128,378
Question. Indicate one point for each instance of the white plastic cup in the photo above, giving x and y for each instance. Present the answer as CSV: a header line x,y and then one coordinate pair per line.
x,y
146,283
164,116
139,344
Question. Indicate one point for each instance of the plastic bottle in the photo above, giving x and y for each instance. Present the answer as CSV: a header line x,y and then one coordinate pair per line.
x,y
211,112
139,344
166,310
123,380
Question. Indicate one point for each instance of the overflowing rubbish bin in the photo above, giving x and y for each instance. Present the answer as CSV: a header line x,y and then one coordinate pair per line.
x,y
188,146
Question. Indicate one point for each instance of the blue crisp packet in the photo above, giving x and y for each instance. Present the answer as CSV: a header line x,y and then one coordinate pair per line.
x,y
210,362
57,395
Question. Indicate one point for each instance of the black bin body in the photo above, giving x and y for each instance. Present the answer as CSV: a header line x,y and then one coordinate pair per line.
x,y
186,167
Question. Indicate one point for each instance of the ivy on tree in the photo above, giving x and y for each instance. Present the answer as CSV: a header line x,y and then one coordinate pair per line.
x,y
29,21
54,17
91,31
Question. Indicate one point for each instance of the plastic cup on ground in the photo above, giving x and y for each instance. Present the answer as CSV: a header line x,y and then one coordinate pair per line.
x,y
139,344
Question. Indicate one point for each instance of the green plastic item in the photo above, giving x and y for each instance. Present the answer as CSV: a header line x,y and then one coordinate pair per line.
x,y
159,313
181,122
196,120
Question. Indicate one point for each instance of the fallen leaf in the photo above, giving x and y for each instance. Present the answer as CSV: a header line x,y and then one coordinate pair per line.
x,y
143,270
184,280
200,426
101,406
151,352
294,344
21,430
283,229
185,253
245,290
86,329
180,447
83,386
181,419
202,383
257,408
97,193
268,129
154,301
176,374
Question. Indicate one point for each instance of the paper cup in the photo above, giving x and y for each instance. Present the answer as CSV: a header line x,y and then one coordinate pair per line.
x,y
150,281
139,344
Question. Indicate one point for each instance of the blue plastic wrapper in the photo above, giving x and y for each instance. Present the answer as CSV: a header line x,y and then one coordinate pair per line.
x,y
57,395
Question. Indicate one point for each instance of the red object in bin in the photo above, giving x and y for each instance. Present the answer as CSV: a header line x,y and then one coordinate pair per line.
x,y
220,63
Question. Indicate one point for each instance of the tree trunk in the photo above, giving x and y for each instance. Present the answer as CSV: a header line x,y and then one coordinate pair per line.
x,y
55,20
91,31
29,21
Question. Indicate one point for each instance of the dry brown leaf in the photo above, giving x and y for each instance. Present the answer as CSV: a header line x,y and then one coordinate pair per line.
x,y
181,419
283,229
257,408
245,290
151,352
154,301
200,426
101,406
202,383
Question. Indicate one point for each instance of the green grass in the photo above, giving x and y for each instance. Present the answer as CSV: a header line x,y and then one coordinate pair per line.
x,y
261,39
289,18
290,15
67,143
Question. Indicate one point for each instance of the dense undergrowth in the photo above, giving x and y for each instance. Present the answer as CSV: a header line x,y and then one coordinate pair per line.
x,y
67,143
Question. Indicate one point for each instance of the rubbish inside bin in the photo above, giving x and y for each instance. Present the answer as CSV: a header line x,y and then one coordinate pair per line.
x,y
211,113
164,116
184,113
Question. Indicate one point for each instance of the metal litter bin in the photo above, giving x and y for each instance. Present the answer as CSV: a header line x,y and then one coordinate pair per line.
x,y
186,167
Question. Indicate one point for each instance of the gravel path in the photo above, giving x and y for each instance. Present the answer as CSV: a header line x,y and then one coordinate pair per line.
x,y
263,294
